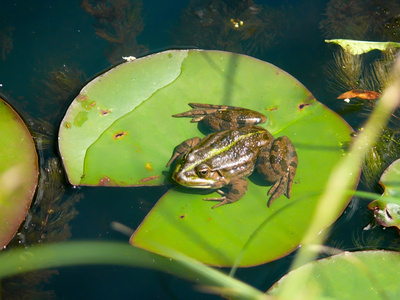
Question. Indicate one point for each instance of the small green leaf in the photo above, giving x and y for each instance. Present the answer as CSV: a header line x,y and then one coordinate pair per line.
x,y
18,172
357,275
359,47
387,208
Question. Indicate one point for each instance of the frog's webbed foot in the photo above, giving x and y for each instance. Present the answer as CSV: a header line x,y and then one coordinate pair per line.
x,y
236,190
182,148
281,187
222,117
278,164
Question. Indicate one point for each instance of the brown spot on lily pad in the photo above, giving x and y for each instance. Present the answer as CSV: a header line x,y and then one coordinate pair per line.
x,y
149,178
120,135
104,181
105,112
82,97
272,108
302,105
182,216
149,166
88,105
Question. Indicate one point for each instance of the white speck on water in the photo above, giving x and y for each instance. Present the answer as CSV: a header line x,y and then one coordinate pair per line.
x,y
129,58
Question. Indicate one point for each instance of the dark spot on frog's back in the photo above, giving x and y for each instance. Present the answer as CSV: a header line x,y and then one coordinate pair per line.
x,y
265,136
235,191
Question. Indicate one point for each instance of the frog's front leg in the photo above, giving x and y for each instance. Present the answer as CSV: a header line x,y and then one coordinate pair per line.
x,y
236,190
183,147
278,164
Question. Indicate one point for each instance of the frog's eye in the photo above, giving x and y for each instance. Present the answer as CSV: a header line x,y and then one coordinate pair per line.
x,y
203,171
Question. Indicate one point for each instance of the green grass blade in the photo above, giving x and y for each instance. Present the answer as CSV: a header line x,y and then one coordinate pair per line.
x,y
20,261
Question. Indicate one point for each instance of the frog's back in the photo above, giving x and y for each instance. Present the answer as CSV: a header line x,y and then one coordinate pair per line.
x,y
233,152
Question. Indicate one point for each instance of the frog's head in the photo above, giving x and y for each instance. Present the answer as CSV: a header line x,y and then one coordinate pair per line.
x,y
195,173
386,213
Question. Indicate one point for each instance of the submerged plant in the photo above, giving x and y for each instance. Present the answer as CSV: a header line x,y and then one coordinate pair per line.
x,y
362,20
61,83
119,22
57,85
380,156
42,133
48,218
351,74
241,26
345,72
6,41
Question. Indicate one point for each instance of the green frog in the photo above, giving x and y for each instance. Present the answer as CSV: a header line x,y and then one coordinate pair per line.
x,y
224,158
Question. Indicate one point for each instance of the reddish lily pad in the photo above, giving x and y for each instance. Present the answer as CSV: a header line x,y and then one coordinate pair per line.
x,y
18,172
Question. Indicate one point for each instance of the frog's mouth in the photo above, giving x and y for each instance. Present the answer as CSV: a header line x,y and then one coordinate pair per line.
x,y
192,181
188,180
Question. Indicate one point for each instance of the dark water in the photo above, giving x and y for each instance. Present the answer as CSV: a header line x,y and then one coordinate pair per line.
x,y
59,35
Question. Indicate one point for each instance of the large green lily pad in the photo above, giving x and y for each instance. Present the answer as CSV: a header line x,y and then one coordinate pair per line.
x,y
119,131
357,275
18,172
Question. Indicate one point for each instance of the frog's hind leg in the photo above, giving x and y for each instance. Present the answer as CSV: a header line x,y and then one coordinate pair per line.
x,y
278,165
236,190
222,117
